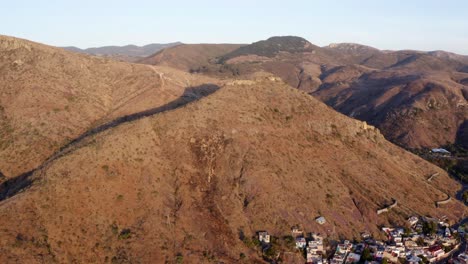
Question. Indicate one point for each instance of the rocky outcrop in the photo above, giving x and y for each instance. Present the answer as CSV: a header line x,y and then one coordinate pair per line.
x,y
9,43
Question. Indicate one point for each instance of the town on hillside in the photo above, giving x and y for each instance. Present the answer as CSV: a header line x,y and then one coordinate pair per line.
x,y
422,240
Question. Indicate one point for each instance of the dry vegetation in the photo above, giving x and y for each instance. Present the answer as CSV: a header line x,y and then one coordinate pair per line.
x,y
183,184
159,176
49,96
417,99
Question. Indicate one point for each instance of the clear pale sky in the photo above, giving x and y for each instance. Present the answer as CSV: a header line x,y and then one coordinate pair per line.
x,y
385,24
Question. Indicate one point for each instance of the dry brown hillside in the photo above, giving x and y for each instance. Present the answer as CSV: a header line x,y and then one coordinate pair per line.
x,y
49,96
417,99
189,56
182,185
412,109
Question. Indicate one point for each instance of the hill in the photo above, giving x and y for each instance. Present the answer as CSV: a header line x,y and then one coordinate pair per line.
x,y
418,99
49,96
254,155
352,52
125,53
413,110
272,47
189,57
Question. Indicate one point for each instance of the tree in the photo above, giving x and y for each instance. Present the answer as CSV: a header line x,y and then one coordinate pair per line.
x,y
290,242
407,232
420,241
271,252
366,255
430,227
423,259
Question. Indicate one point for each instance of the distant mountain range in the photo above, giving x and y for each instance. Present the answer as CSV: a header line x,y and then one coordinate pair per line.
x,y
128,52
418,99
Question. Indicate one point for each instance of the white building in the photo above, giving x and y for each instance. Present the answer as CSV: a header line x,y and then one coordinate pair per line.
x,y
264,237
321,220
440,151
301,242
353,258
413,220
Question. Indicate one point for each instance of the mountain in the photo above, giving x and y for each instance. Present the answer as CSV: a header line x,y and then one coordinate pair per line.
x,y
189,183
449,55
125,53
189,57
49,96
352,52
272,47
417,99
412,108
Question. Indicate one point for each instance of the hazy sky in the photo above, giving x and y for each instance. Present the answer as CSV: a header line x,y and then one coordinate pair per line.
x,y
385,24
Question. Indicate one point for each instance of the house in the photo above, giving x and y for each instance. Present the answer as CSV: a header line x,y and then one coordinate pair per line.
x,y
314,252
300,242
413,220
418,252
321,220
461,259
398,241
337,259
411,244
436,251
344,248
447,232
379,254
400,231
399,252
315,247
314,259
264,237
353,258
296,231
412,259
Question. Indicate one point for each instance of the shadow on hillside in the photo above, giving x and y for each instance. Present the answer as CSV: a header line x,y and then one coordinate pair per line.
x,y
462,135
16,184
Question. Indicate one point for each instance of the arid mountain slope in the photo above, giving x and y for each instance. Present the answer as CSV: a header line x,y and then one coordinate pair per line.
x,y
412,109
49,96
183,184
272,47
189,56
125,53
417,99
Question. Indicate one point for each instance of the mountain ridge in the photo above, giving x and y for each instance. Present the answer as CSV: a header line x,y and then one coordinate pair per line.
x,y
129,49
334,73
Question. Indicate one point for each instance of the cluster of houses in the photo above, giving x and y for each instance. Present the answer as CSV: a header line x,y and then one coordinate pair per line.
x,y
408,245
